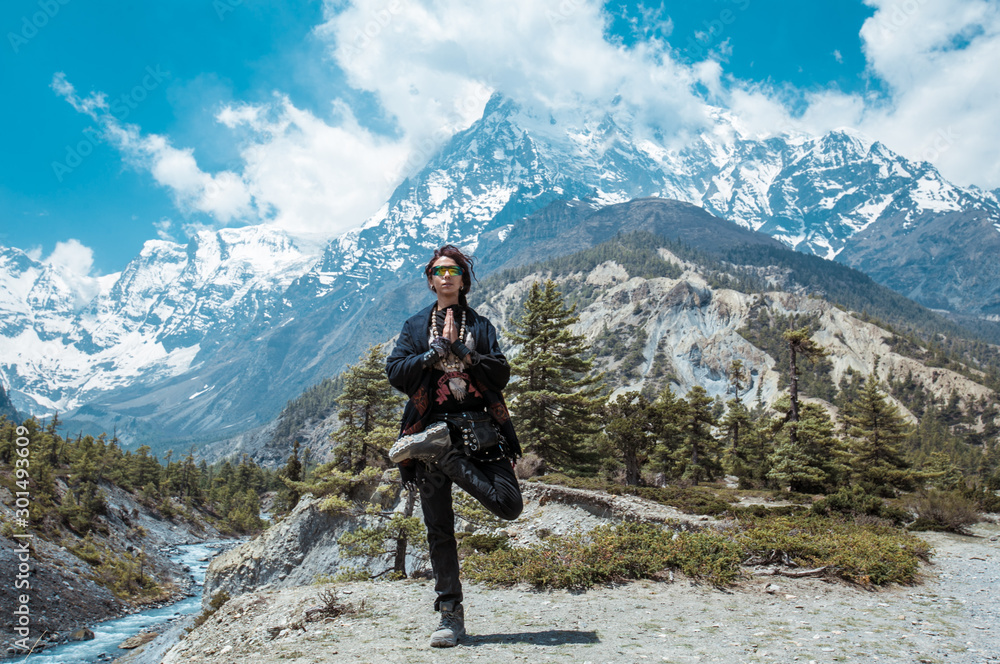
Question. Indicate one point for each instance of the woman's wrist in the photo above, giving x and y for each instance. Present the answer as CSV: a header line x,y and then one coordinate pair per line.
x,y
464,353
429,359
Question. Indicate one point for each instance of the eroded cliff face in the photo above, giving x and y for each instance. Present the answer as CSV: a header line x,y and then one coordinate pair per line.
x,y
691,332
303,548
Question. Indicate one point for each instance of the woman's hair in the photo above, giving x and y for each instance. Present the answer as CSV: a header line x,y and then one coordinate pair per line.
x,y
463,261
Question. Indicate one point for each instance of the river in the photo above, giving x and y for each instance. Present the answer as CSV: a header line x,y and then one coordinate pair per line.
x,y
108,634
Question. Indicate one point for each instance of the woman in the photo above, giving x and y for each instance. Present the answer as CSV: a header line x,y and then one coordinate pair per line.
x,y
455,426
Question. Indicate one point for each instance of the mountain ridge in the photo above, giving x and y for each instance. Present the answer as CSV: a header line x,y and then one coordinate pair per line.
x,y
224,330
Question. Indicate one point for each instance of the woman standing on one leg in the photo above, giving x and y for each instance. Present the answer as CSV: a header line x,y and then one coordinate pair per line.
x,y
455,426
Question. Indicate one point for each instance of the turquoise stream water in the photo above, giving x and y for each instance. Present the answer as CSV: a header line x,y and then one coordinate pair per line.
x,y
107,635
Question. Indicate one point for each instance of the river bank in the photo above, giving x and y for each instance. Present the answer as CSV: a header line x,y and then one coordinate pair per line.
x,y
145,624
67,597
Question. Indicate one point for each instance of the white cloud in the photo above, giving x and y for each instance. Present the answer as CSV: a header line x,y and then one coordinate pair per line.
x,y
939,61
223,195
72,257
936,59
73,262
163,227
90,105
299,174
432,65
308,177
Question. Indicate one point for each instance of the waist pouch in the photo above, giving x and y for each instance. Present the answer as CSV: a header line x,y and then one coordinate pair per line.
x,y
478,435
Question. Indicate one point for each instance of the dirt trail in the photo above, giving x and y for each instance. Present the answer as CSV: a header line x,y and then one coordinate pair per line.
x,y
951,617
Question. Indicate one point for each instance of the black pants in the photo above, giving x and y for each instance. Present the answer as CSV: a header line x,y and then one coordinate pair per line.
x,y
492,483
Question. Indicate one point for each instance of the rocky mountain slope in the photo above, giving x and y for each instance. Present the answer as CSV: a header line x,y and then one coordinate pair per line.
x,y
196,342
690,331
64,594
673,307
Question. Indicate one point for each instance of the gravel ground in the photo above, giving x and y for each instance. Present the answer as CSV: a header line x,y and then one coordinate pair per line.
x,y
950,617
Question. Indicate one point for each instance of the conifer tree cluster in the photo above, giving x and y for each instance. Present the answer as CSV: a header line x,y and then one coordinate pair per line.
x,y
563,418
226,492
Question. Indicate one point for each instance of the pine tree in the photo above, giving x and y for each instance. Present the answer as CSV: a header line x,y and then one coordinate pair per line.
x,y
629,429
876,433
293,472
738,376
799,343
807,453
553,395
745,452
667,415
942,473
698,455
369,410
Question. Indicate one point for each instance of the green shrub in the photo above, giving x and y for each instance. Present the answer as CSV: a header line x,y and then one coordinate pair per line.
x,y
482,543
691,500
866,554
985,498
610,554
87,551
559,479
947,511
218,599
764,511
855,501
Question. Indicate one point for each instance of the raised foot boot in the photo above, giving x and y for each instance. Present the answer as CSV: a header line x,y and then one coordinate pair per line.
x,y
452,626
427,445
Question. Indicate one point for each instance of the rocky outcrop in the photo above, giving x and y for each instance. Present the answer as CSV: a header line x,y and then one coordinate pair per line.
x,y
298,550
693,328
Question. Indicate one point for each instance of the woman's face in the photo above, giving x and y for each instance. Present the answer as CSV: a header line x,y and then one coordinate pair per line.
x,y
446,284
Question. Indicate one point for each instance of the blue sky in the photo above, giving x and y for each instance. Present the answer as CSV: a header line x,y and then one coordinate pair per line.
x,y
225,112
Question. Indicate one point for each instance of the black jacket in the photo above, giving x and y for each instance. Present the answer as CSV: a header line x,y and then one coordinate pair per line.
x,y
489,374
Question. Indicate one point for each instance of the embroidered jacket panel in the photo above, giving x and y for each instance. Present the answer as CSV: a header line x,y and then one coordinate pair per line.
x,y
490,375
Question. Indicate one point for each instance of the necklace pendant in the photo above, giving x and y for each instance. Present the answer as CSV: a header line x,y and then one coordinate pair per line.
x,y
458,388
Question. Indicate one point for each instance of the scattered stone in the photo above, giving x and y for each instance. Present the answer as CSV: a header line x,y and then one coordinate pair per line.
x,y
83,634
140,639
